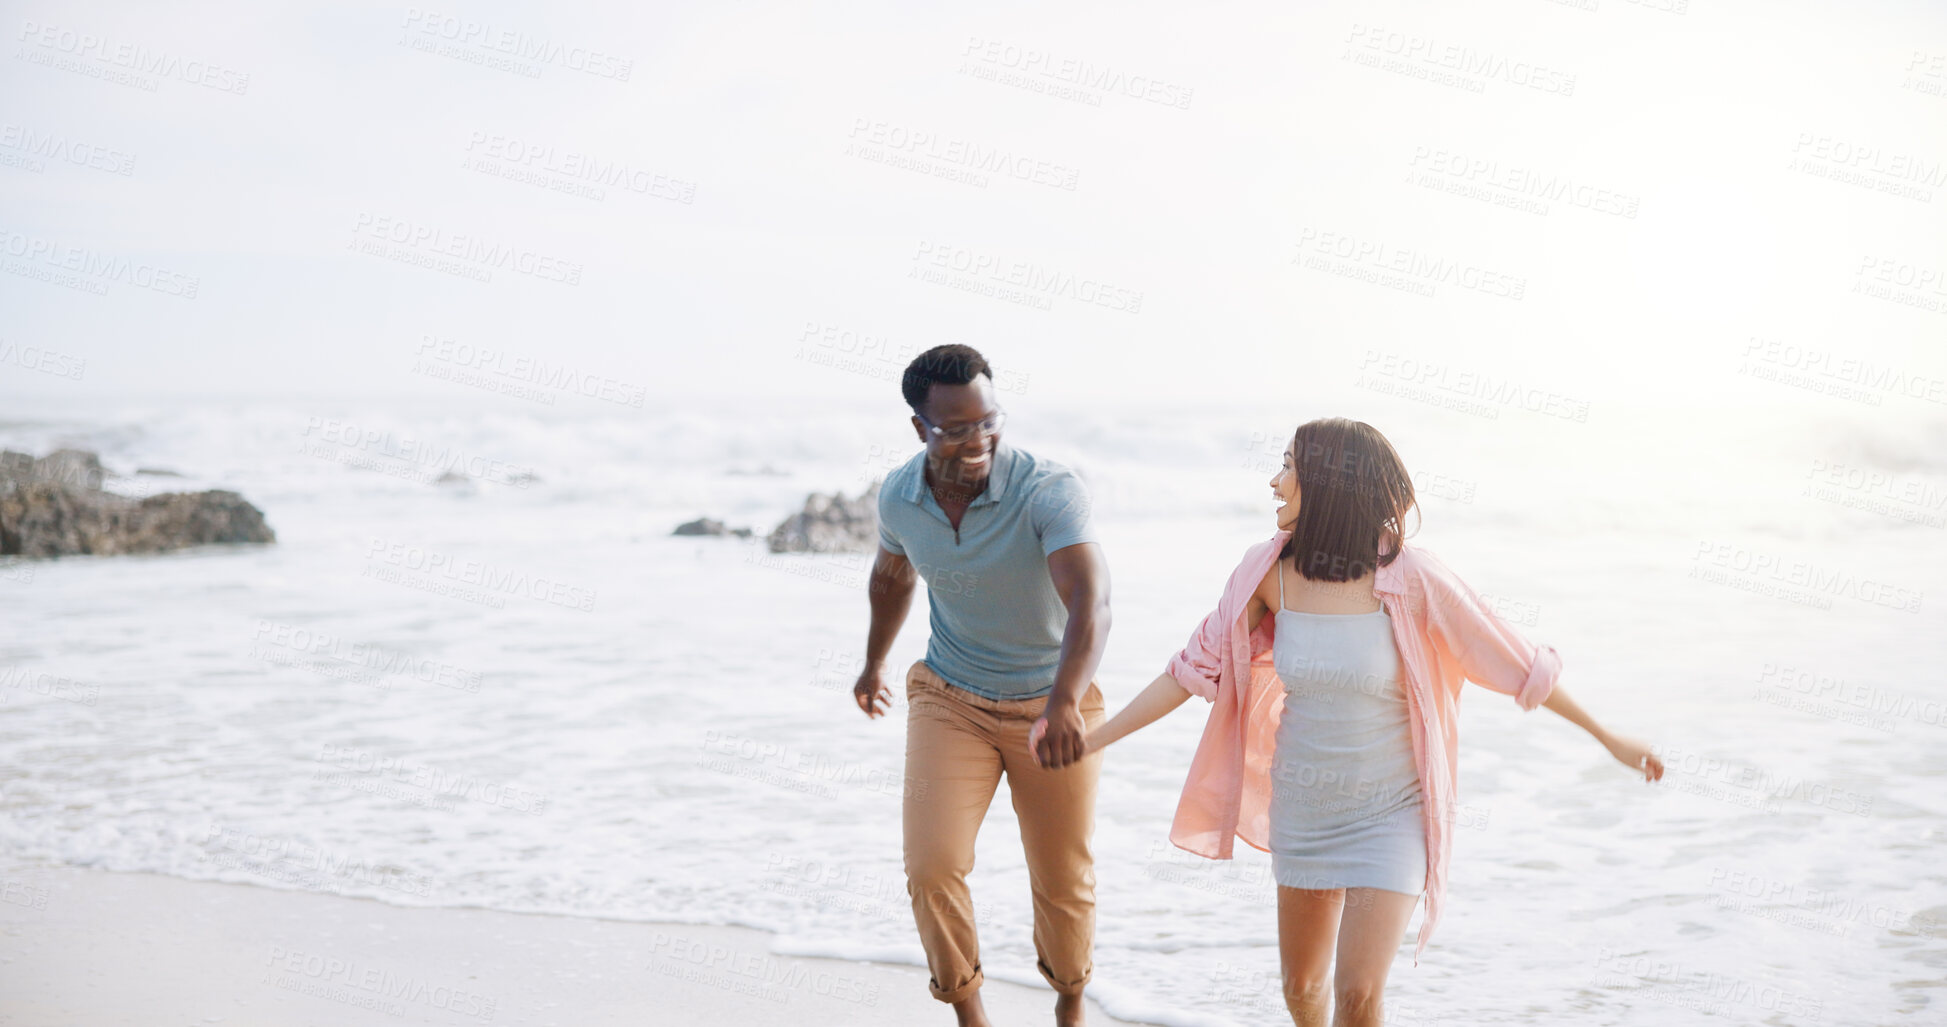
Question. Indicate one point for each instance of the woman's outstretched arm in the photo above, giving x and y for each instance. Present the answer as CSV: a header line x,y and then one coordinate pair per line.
x,y
1148,707
1199,664
1633,753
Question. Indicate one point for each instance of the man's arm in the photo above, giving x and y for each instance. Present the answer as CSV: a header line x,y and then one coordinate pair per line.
x,y
890,592
1081,577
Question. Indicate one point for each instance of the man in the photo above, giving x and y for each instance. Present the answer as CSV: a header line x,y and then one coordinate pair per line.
x,y
1019,597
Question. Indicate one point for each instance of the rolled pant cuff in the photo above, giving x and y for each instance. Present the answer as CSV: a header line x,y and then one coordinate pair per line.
x,y
1062,987
961,993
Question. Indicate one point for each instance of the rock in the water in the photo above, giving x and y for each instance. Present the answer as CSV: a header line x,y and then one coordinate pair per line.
x,y
518,479
74,467
831,524
709,526
54,506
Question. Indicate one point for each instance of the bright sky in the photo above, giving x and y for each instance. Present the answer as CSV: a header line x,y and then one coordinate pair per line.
x,y
1166,200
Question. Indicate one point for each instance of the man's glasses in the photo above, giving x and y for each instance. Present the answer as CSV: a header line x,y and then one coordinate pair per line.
x,y
962,432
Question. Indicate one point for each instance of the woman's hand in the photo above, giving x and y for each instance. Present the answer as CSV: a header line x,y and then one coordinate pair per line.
x,y
1636,755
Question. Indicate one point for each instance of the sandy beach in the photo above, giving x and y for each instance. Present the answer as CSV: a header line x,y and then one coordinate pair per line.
x,y
93,948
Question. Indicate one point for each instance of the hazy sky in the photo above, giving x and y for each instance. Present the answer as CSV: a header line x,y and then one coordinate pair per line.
x,y
1597,201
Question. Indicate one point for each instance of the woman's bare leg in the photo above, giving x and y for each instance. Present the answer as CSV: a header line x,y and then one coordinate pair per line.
x,y
1308,927
1374,924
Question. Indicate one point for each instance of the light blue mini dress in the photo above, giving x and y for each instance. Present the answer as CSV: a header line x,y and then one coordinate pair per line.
x,y
1346,805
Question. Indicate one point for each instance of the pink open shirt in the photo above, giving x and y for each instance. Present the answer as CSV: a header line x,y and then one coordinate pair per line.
x,y
1445,635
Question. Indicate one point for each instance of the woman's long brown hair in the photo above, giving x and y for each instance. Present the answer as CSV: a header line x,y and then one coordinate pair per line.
x,y
1353,497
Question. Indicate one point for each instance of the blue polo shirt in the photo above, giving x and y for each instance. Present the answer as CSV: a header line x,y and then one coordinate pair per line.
x,y
996,619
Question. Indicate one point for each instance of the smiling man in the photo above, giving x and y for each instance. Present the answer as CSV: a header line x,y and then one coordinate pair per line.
x,y
1018,593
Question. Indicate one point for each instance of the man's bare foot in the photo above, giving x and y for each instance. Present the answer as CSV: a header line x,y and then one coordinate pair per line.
x,y
1070,1011
971,1012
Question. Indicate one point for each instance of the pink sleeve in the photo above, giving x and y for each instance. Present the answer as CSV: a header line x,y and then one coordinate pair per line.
x,y
1198,666
1490,653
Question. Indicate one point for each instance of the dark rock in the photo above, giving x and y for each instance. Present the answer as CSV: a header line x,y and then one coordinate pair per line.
x,y
709,526
517,479
73,467
54,506
831,524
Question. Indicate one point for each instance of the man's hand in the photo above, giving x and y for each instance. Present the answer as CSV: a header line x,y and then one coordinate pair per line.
x,y
871,691
1059,737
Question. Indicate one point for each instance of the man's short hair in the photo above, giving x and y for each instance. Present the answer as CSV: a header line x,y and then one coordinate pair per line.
x,y
951,364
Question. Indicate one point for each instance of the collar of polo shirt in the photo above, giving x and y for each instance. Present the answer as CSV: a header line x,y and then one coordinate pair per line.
x,y
996,478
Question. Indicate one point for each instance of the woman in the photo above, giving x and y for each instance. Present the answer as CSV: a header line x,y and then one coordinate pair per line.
x,y
1334,662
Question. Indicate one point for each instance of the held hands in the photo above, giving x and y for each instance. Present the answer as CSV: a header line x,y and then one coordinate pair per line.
x,y
1059,737
1636,755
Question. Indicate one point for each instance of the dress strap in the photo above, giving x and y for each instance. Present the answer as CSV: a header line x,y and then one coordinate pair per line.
x,y
1280,566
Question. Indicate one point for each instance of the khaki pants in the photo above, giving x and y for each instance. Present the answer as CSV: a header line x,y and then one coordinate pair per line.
x,y
957,747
